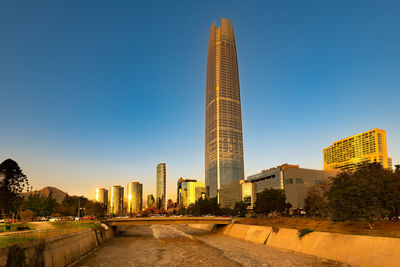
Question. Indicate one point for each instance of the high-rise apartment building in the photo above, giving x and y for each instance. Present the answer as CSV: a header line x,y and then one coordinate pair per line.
x,y
161,193
116,200
347,153
135,197
223,134
151,202
102,196
189,191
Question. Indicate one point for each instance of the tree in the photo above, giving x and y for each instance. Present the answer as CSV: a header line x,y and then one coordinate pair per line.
x,y
271,200
73,205
367,193
96,209
240,209
316,202
12,182
26,216
42,206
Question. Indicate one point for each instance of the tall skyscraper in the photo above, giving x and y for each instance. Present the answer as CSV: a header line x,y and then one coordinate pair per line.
x,y
161,193
102,196
369,146
135,197
224,140
116,200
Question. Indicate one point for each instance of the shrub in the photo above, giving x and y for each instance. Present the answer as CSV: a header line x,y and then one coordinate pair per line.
x,y
304,231
275,229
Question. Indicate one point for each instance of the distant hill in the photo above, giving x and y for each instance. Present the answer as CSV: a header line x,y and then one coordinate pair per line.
x,y
57,194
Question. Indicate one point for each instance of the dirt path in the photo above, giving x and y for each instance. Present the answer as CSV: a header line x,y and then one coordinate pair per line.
x,y
42,225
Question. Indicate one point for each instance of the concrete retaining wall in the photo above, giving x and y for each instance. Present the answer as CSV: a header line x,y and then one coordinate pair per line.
x,y
56,251
355,250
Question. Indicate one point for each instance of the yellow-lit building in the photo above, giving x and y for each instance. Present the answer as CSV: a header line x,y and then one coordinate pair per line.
x,y
134,197
102,196
189,191
347,153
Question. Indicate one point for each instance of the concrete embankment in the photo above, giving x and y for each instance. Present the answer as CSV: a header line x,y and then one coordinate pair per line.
x,y
355,250
54,251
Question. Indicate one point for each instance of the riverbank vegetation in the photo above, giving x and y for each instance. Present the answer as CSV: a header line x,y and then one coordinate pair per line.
x,y
383,228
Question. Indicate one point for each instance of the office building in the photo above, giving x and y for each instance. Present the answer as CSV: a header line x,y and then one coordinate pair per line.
x,y
150,201
135,197
236,191
102,196
161,194
189,191
295,181
116,200
223,129
347,153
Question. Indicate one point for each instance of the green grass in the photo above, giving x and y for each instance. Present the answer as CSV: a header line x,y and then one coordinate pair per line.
x,y
9,241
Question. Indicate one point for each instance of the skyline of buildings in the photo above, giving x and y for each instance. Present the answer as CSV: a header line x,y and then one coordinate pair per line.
x,y
223,126
224,165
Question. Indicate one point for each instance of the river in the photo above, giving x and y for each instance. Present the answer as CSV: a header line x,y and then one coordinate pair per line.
x,y
180,245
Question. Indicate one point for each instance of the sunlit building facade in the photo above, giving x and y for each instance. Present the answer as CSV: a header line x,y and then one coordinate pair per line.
x,y
161,193
116,200
295,182
347,153
150,201
189,191
134,197
102,196
236,191
223,129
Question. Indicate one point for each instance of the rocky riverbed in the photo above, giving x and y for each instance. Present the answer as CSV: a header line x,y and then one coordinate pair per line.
x,y
179,245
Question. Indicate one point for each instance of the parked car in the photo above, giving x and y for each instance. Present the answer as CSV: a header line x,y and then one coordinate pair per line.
x,y
87,218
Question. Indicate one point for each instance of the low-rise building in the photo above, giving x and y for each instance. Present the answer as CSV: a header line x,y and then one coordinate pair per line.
x,y
295,181
234,192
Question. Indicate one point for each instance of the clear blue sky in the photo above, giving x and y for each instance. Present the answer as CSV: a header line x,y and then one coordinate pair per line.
x,y
95,93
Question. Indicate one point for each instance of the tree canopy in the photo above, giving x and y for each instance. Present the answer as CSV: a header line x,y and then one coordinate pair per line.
x,y
316,202
12,182
367,193
271,200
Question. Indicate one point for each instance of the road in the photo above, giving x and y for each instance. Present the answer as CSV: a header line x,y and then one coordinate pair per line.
x,y
179,245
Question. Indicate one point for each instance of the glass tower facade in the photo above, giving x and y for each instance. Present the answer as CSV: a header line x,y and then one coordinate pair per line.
x,y
135,197
161,193
223,137
116,200
102,196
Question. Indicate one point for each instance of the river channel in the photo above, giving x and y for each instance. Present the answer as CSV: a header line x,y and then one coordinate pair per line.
x,y
180,245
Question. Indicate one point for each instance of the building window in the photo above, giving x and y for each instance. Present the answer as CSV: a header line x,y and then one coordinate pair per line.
x,y
318,181
299,181
289,181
